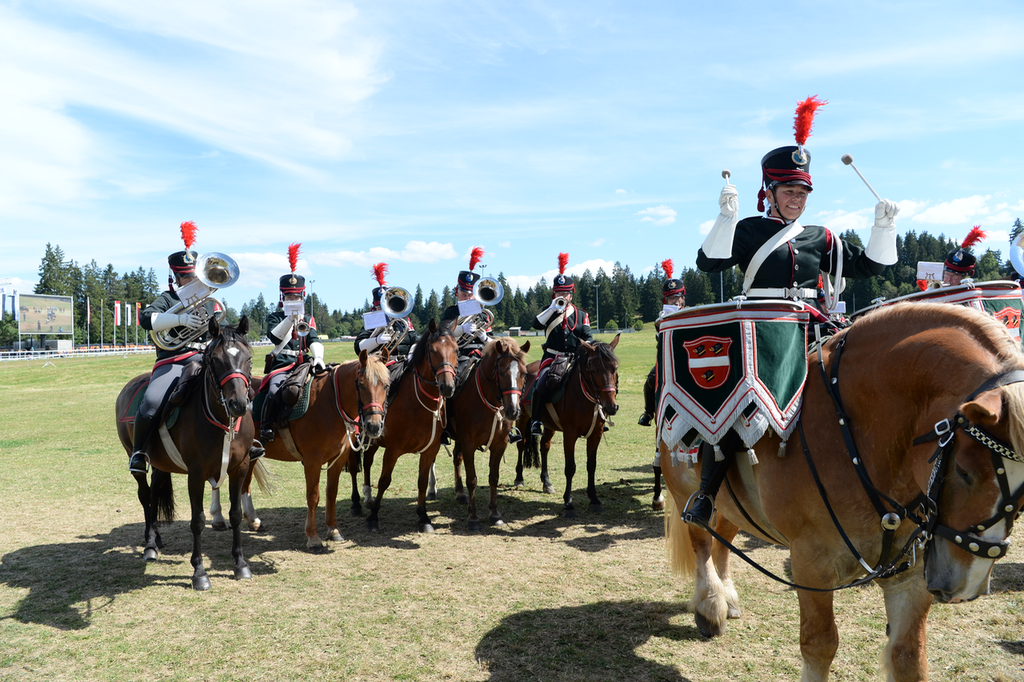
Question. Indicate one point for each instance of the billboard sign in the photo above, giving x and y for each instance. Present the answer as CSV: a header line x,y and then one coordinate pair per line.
x,y
42,314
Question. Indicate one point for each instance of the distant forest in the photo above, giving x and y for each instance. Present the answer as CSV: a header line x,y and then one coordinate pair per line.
x,y
618,299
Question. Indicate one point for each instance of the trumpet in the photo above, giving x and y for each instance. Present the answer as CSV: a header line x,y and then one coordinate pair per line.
x,y
213,270
560,304
396,303
296,310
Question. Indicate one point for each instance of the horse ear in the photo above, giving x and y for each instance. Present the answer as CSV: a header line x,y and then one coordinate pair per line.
x,y
985,409
432,327
525,347
243,325
214,327
615,341
385,355
362,357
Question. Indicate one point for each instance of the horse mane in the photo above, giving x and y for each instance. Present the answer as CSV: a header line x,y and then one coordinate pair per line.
x,y
607,353
983,328
376,371
510,346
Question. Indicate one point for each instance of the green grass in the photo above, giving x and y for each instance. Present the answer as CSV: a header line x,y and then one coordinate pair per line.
x,y
542,598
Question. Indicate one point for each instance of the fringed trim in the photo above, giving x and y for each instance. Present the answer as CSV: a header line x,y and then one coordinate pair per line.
x,y
752,456
782,448
719,455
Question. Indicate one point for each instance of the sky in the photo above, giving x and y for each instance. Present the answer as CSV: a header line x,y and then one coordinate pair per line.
x,y
410,131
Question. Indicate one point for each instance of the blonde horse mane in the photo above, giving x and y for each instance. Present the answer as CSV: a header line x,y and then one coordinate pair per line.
x,y
377,371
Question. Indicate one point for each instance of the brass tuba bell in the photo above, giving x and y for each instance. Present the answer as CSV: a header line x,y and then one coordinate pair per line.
x,y
213,271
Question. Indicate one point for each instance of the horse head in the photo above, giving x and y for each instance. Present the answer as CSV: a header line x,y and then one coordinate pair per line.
x,y
505,361
372,382
227,362
600,370
439,351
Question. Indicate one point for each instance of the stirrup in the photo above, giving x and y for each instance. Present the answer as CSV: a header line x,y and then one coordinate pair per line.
x,y
537,427
645,420
256,451
514,436
138,463
699,513
267,435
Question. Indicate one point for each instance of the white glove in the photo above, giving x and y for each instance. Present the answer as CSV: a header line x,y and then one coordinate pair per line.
x,y
545,315
718,243
316,349
466,328
282,328
164,321
882,243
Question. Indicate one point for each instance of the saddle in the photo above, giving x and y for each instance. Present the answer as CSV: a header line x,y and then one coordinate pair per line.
x,y
184,384
292,396
551,379
466,365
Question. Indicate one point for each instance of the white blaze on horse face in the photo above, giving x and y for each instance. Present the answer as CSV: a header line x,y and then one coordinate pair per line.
x,y
232,351
513,372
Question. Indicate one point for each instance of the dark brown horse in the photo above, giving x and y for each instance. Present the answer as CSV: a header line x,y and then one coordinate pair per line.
x,y
591,386
414,421
346,406
209,441
481,416
931,395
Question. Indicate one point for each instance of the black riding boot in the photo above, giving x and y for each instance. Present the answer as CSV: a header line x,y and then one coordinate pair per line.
x,y
267,419
537,409
648,416
712,473
139,461
256,451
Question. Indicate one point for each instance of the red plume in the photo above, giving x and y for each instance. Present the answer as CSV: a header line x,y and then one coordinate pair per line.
x,y
973,237
293,255
379,270
922,284
805,117
667,266
563,260
188,234
475,255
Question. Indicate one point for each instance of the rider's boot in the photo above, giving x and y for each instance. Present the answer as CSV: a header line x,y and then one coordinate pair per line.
x,y
267,420
712,474
139,460
645,419
648,416
256,451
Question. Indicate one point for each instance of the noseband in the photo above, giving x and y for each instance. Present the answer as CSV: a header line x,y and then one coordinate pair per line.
x,y
218,383
594,391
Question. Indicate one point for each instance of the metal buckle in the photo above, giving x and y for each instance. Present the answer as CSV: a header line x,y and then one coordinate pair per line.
x,y
943,427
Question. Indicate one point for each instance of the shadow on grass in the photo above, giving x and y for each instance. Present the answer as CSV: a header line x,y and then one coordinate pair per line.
x,y
1007,577
593,642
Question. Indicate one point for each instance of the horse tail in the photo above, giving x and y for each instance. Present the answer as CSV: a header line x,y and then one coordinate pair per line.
x,y
162,494
681,558
263,476
531,454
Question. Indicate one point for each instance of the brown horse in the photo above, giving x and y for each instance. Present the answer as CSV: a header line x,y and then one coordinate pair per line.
x,y
481,416
589,400
209,440
925,397
414,421
346,406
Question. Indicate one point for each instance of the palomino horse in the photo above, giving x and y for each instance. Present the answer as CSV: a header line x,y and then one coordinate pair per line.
x,y
924,396
346,406
589,400
414,421
483,413
209,440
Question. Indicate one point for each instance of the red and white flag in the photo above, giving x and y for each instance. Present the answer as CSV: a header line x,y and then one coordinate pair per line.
x,y
117,313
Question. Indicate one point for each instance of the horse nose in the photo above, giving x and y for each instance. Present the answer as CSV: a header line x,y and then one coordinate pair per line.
x,y
446,387
374,427
237,407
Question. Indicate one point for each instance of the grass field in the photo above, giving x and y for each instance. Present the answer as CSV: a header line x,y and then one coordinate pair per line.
x,y
541,598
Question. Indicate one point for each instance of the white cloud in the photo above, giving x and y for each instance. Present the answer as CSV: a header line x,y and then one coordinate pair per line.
x,y
840,221
414,252
659,215
598,242
505,244
620,191
263,270
955,212
909,208
524,282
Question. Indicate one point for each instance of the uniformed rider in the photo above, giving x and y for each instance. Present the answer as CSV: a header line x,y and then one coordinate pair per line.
x,y
372,339
166,315
781,258
959,264
295,338
564,326
470,336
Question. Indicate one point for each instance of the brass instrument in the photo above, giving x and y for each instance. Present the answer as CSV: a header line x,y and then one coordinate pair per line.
x,y
213,271
396,303
297,310
560,304
487,291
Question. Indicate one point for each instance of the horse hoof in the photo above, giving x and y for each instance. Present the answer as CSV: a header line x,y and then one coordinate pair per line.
x,y
357,511
431,496
658,505
200,583
734,612
257,526
462,499
243,573
519,483
549,489
220,525
496,520
426,528
569,514
335,536
372,526
149,554
474,525
314,543
705,626
596,507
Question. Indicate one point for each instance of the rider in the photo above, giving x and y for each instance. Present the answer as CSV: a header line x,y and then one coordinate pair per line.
x,y
564,326
960,262
471,338
166,314
782,258
292,347
370,342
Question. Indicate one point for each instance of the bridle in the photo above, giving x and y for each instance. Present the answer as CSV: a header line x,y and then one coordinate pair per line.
x,y
363,409
215,384
592,392
496,380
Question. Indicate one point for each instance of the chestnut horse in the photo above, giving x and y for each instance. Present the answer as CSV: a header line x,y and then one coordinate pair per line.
x,y
481,416
346,405
414,421
921,497
591,385
209,440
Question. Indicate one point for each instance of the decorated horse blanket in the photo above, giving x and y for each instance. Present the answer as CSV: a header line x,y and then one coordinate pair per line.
x,y
739,365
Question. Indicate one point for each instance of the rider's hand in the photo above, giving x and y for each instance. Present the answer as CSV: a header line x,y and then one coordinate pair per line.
x,y
885,213
192,320
729,201
384,339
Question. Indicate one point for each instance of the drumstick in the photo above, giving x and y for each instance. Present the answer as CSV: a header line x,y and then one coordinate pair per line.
x,y
726,174
848,160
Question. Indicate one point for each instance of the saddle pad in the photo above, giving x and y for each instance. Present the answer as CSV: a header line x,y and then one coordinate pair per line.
x,y
133,408
298,410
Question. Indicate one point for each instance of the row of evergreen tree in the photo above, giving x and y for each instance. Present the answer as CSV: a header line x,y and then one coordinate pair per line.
x,y
618,299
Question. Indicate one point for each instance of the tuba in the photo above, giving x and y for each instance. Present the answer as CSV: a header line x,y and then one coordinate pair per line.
x,y
487,291
213,271
396,303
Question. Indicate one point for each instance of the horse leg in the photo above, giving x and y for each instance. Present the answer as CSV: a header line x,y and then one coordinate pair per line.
x,y
569,447
217,521
235,483
367,466
592,444
471,480
248,510
520,446
545,448
432,484
709,603
460,490
196,489
497,453
353,472
147,498
907,602
312,471
720,555
383,483
426,467
658,502
819,637
331,502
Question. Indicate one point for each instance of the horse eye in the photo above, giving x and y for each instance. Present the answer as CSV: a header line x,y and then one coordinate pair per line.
x,y
964,475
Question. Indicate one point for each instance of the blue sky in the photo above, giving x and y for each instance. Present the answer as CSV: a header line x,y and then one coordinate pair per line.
x,y
411,131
